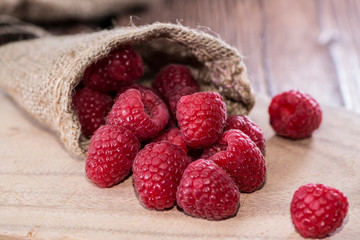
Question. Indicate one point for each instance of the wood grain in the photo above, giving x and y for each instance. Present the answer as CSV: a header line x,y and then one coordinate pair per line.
x,y
312,45
45,195
339,23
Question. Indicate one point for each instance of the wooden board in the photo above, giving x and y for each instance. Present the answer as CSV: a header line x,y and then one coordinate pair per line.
x,y
45,195
299,44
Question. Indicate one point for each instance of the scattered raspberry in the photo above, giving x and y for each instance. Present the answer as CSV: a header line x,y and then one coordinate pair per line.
x,y
318,210
201,118
157,171
91,107
175,94
121,67
294,114
143,113
172,135
239,156
139,87
111,153
247,126
207,191
171,76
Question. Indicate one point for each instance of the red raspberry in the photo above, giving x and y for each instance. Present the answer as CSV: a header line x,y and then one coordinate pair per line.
x,y
201,118
172,135
171,76
139,87
143,113
91,107
318,210
212,150
239,156
123,66
174,96
207,191
111,153
157,171
247,126
294,114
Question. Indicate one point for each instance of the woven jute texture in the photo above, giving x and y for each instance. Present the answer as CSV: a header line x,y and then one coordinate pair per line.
x,y
41,74
59,10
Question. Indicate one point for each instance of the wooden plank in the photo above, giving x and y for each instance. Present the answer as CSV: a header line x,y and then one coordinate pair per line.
x,y
339,22
45,195
295,58
239,23
279,39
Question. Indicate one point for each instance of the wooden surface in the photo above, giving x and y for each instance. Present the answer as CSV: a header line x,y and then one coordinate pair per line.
x,y
312,45
44,193
299,44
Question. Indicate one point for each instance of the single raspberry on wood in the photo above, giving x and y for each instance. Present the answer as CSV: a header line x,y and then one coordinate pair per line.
x,y
172,135
294,114
207,191
91,108
249,127
239,156
142,112
122,66
157,171
201,118
110,157
318,210
171,76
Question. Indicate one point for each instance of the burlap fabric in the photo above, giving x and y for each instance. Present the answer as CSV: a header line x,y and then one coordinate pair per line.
x,y
41,74
59,10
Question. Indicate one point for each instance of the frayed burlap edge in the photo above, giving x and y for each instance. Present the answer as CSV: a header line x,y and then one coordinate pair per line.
x,y
55,65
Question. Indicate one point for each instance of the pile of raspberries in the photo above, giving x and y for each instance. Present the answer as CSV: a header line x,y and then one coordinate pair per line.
x,y
180,144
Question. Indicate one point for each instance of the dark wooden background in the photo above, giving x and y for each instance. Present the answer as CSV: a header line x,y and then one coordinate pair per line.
x,y
312,45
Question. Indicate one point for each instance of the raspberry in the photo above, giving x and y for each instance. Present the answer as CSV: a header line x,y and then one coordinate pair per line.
x,y
207,191
111,153
247,126
171,76
172,135
91,107
318,210
123,66
174,96
157,171
294,114
201,118
139,87
142,112
212,150
239,156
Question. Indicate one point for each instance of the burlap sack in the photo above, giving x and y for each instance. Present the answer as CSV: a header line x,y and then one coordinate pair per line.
x,y
59,10
41,74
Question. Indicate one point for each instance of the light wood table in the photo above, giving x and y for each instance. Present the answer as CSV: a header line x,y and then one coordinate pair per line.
x,y
44,193
301,44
